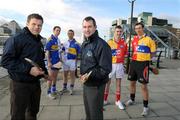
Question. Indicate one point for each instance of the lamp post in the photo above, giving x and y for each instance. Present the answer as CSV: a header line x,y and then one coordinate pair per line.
x,y
129,47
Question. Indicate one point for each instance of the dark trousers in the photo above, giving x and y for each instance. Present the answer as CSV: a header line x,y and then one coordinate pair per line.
x,y
25,100
93,102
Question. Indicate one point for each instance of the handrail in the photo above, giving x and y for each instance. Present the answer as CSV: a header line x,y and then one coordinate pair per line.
x,y
165,45
172,34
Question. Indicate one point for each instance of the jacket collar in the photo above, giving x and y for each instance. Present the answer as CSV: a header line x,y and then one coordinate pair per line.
x,y
26,31
92,37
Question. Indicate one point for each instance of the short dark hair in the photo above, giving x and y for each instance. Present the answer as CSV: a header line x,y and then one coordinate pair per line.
x,y
90,18
118,27
36,16
56,27
139,23
70,30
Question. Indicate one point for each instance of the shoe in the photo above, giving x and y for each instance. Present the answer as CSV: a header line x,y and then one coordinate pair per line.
x,y
106,103
54,93
71,92
120,105
51,96
53,89
129,102
145,111
48,91
63,90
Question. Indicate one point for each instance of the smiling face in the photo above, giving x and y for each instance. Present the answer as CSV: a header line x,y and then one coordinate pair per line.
x,y
56,31
88,28
117,33
35,26
70,35
139,30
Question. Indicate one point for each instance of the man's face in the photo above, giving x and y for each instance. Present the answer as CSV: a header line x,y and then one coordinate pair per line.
x,y
88,28
139,30
35,26
118,33
56,32
70,35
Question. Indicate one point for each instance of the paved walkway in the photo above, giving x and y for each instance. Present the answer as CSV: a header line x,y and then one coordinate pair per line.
x,y
164,100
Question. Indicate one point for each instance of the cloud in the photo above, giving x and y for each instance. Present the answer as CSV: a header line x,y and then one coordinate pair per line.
x,y
175,20
3,20
66,13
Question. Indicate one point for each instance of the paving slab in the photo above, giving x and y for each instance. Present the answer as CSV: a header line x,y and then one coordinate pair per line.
x,y
71,100
54,113
4,112
164,109
164,100
113,112
77,112
135,111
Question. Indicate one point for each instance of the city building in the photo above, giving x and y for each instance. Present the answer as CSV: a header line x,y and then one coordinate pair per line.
x,y
166,36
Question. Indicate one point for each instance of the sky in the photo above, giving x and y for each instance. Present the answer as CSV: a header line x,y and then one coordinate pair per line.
x,y
68,14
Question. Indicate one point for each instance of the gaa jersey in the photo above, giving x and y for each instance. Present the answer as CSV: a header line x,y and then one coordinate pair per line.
x,y
143,48
119,50
72,49
53,46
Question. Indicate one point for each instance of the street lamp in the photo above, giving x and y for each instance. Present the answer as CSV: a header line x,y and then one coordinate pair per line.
x,y
129,48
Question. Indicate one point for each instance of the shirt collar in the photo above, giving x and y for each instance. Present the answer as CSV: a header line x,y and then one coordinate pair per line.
x,y
140,37
118,40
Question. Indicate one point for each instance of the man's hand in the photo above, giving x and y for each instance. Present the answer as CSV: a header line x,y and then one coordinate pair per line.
x,y
154,70
84,78
35,71
153,59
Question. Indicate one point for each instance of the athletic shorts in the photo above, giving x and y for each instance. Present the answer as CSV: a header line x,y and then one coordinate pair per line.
x,y
139,71
69,65
117,71
54,69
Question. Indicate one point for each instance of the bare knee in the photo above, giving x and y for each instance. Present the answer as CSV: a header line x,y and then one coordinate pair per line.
x,y
133,83
144,87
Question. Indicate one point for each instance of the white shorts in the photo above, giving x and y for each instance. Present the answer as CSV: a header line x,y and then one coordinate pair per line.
x,y
117,71
69,65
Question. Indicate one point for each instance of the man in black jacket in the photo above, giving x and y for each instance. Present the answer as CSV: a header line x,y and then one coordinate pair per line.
x,y
25,84
96,64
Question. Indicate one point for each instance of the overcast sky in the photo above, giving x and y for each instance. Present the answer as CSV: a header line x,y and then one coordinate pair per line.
x,y
69,13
